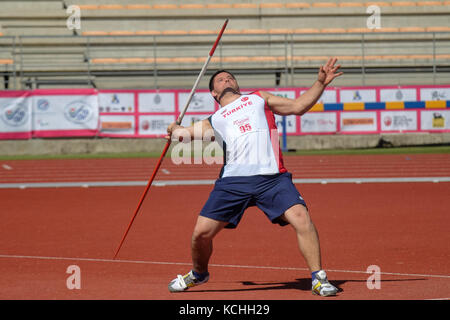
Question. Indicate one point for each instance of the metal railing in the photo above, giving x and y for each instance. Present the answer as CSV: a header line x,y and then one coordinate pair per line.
x,y
105,61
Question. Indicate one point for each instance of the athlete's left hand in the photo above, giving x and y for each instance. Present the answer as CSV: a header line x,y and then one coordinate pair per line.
x,y
327,73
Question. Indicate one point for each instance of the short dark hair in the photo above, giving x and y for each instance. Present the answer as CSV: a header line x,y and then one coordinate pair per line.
x,y
211,80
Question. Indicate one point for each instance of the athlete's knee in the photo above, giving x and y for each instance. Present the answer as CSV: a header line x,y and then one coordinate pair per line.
x,y
298,216
206,229
202,235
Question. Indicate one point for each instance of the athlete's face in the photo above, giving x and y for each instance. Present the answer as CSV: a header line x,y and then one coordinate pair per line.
x,y
223,81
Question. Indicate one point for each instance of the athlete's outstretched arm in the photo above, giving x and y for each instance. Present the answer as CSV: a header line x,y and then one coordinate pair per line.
x,y
307,100
197,131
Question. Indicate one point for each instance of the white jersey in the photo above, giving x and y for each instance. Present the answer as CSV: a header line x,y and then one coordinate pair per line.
x,y
248,133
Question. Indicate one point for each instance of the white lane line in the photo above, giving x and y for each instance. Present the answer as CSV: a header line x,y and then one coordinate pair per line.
x,y
213,265
6,167
162,183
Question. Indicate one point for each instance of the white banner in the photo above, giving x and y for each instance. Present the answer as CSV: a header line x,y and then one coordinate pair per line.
x,y
291,123
65,112
154,124
435,119
358,95
328,96
399,121
201,102
15,114
117,102
156,102
323,122
433,94
363,121
388,95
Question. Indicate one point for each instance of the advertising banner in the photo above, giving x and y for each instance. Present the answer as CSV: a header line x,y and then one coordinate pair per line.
x,y
201,102
358,122
399,121
116,102
398,94
156,102
323,122
358,95
150,125
131,113
65,113
434,94
435,120
15,116
117,125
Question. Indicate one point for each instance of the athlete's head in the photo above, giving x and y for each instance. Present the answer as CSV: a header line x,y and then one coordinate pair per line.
x,y
221,82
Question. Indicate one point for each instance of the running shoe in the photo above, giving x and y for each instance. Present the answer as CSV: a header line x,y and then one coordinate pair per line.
x,y
182,283
322,287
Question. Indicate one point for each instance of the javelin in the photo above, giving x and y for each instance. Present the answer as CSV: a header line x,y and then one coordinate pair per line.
x,y
180,118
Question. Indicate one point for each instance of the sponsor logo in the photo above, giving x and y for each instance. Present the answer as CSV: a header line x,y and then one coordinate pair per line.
x,y
356,121
438,120
78,112
227,112
42,104
15,114
397,121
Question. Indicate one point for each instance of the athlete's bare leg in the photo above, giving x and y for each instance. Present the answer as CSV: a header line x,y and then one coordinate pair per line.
x,y
308,239
202,242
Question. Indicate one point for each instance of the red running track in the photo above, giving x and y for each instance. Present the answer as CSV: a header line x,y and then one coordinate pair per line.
x,y
400,227
339,166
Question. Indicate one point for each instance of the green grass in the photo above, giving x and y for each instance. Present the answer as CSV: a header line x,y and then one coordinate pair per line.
x,y
373,151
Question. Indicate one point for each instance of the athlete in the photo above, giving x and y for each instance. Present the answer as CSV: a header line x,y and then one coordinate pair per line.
x,y
253,173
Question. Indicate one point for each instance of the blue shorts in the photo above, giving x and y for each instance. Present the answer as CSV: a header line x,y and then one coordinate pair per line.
x,y
273,194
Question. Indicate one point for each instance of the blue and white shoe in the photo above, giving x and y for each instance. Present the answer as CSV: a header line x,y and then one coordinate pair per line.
x,y
183,283
321,286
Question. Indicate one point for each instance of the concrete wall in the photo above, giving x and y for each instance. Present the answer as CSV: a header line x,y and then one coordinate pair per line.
x,y
313,142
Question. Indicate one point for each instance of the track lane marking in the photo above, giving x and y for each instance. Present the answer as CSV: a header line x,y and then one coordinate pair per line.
x,y
162,183
213,265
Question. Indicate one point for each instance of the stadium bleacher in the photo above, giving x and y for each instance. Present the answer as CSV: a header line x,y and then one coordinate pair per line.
x,y
141,44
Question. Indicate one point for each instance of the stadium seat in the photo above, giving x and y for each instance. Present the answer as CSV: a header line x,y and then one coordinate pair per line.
x,y
359,30
280,31
378,3
350,4
412,29
138,6
324,5
272,5
297,5
333,30
148,32
428,3
387,29
306,30
165,6
403,4
253,31
218,6
192,6
244,5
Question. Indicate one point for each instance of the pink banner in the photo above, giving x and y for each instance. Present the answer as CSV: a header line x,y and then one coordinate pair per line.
x,y
48,113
